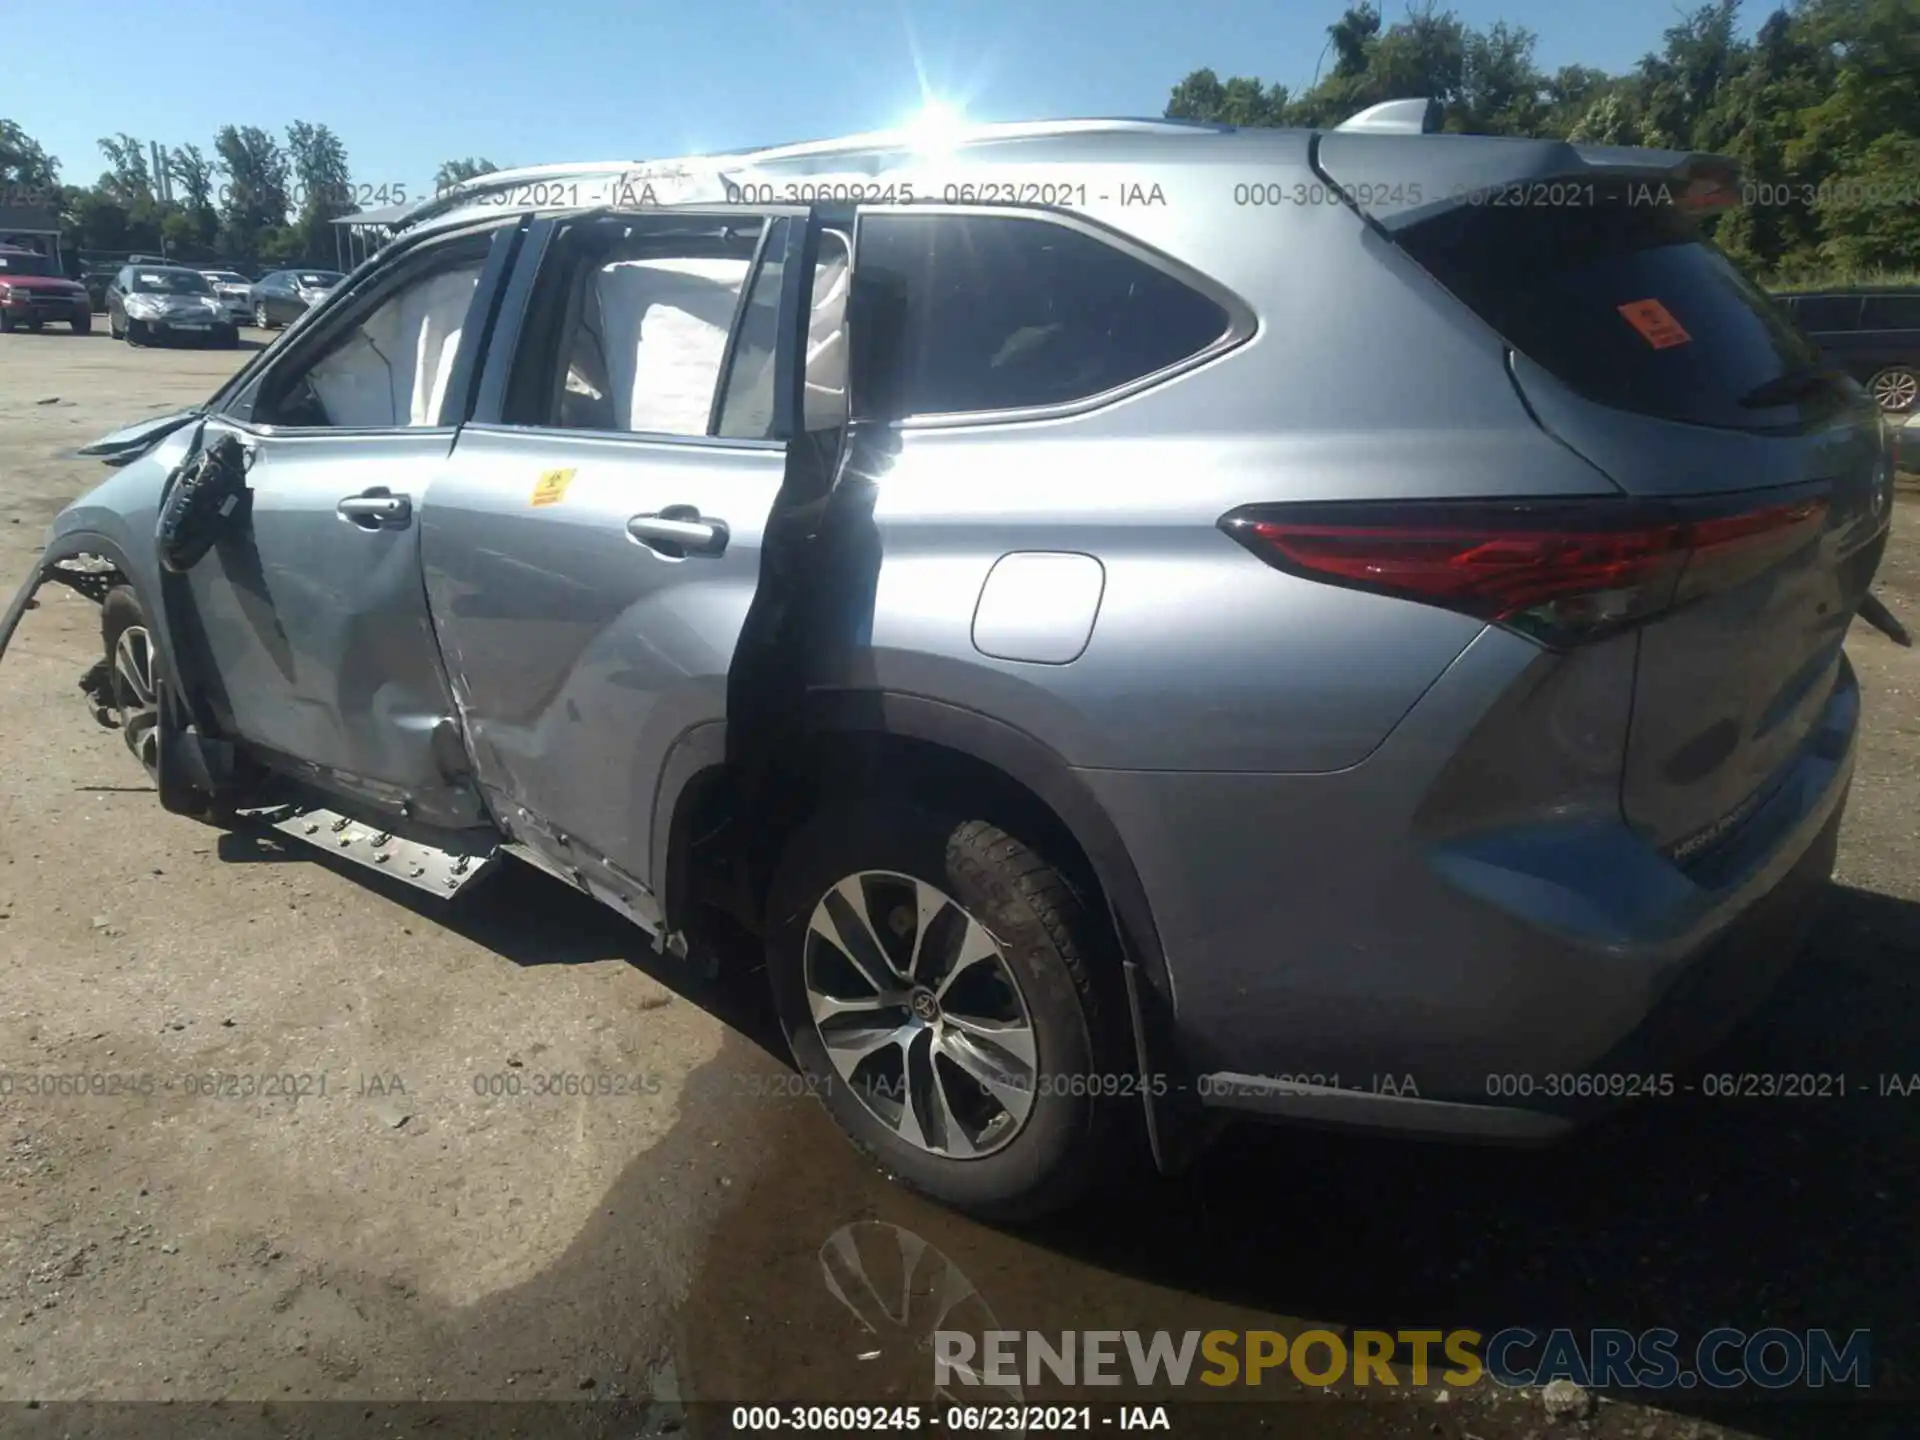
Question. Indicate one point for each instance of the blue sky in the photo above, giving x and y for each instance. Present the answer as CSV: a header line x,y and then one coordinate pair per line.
x,y
409,85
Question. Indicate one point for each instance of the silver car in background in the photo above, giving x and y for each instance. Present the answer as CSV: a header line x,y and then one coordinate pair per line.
x,y
235,293
989,575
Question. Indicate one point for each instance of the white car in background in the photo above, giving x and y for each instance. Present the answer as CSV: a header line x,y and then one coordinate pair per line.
x,y
235,293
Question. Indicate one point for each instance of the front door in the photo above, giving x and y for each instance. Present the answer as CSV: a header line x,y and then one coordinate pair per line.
x,y
593,551
312,611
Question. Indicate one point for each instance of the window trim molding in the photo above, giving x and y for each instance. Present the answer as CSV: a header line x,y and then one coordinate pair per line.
x,y
643,437
1242,322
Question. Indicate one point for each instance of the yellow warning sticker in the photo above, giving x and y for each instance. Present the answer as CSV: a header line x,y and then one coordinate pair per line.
x,y
552,487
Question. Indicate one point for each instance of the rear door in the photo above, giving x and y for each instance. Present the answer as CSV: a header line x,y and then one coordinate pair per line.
x,y
1641,346
593,552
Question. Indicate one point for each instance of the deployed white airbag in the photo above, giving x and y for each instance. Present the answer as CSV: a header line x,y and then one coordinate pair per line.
x,y
663,328
393,370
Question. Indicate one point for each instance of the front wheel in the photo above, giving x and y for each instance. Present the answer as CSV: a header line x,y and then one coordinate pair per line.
x,y
261,320
83,324
132,665
135,332
939,985
1895,389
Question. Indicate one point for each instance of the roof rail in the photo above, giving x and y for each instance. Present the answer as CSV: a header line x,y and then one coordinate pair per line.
x,y
1396,117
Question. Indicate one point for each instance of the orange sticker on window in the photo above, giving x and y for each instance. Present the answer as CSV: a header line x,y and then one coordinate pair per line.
x,y
1655,323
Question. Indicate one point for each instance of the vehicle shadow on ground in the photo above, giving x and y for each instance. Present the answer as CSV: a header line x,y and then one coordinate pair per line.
x,y
1686,1214
1689,1214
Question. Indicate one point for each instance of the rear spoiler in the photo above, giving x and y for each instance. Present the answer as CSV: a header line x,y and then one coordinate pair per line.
x,y
1399,173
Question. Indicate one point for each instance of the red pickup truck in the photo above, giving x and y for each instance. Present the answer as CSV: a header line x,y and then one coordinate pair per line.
x,y
33,291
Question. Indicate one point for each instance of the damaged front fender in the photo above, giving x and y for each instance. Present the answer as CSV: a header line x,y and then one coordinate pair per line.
x,y
73,562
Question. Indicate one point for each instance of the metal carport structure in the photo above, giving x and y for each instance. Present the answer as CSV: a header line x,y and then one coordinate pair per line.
x,y
355,237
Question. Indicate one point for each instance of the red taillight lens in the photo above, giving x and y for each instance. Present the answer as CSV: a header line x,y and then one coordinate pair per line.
x,y
1558,570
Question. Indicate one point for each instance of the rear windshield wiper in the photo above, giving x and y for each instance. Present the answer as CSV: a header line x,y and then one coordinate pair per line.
x,y
1796,384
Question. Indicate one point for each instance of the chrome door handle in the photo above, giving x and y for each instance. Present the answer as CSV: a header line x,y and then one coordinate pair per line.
x,y
375,508
679,531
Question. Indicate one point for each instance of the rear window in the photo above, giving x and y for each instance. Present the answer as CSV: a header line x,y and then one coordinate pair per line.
x,y
1826,313
1009,313
1891,312
1623,300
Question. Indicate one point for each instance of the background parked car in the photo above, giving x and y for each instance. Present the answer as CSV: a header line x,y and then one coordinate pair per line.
x,y
33,291
234,291
167,302
284,296
97,278
1874,332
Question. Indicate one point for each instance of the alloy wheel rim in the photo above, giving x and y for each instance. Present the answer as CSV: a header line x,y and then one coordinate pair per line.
x,y
260,317
1896,389
134,696
920,1014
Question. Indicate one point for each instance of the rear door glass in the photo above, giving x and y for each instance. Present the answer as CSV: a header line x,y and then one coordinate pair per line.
x,y
1623,300
1891,312
1827,313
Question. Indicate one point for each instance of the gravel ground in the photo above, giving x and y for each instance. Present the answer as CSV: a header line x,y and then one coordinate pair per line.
x,y
403,1237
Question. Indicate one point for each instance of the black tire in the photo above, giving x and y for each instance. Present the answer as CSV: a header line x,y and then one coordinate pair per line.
x,y
83,324
261,319
34,327
6,323
132,332
121,612
1050,945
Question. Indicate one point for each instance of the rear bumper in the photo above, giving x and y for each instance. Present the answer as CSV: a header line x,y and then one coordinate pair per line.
x,y
1330,966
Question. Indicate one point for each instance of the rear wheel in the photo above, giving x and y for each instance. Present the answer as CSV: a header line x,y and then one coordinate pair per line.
x,y
131,668
1895,388
261,320
82,324
937,982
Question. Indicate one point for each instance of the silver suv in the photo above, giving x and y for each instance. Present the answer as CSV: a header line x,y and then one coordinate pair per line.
x,y
1148,621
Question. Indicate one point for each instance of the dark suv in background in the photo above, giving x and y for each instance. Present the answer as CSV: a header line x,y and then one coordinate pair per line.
x,y
1874,332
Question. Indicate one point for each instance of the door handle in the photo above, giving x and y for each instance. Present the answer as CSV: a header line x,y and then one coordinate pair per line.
x,y
376,509
679,531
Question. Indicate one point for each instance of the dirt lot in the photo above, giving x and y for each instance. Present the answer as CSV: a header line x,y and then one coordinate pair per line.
x,y
405,1237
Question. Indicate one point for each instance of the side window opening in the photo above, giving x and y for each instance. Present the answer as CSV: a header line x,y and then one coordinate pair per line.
x,y
389,371
637,335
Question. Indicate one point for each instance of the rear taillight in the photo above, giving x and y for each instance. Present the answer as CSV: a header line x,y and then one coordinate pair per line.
x,y
1559,570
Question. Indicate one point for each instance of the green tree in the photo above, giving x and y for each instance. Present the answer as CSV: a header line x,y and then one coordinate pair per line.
x,y
1821,108
253,198
323,188
453,172
22,160
128,178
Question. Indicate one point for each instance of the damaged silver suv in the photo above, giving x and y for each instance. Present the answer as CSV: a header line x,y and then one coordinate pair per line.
x,y
988,574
